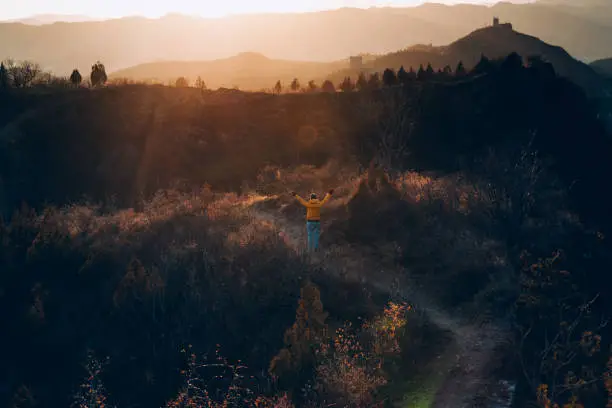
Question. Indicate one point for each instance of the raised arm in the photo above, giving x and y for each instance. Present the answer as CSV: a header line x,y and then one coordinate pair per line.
x,y
300,199
327,196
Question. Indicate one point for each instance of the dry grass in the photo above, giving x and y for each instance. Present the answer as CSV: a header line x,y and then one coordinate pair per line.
x,y
438,233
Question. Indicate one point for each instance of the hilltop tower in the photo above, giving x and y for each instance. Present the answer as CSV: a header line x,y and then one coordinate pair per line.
x,y
497,24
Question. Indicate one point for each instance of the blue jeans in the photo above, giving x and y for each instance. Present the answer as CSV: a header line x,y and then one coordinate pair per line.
x,y
314,230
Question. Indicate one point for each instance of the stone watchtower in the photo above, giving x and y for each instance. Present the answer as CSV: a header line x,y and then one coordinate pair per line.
x,y
497,24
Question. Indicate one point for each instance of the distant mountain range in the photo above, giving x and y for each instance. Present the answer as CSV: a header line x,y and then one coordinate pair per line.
x,y
574,3
584,32
42,19
255,71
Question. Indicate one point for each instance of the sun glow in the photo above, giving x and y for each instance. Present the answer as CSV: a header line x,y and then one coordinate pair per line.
x,y
204,8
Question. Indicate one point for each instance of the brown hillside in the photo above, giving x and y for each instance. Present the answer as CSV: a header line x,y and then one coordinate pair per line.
x,y
246,70
494,42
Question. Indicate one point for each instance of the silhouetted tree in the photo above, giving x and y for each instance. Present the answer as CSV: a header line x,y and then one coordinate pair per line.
x,y
484,66
460,70
541,68
278,87
328,86
22,74
421,76
4,79
512,63
411,74
312,85
181,82
374,81
200,84
402,75
347,85
389,77
76,78
295,85
429,71
362,82
446,73
98,74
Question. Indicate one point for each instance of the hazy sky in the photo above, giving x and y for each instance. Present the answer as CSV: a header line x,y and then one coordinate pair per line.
x,y
208,8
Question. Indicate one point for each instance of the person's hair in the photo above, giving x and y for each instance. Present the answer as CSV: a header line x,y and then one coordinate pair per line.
x,y
313,196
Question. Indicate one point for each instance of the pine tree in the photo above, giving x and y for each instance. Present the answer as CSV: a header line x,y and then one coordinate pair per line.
x,y
484,66
76,78
374,81
346,85
429,71
512,63
278,87
295,85
362,83
389,78
460,70
421,73
402,75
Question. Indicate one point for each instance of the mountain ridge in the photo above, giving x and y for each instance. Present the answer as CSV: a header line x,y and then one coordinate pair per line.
x,y
332,35
51,18
255,71
246,70
492,42
603,66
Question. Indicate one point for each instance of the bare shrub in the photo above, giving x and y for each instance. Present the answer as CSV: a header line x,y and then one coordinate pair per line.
x,y
199,376
92,393
22,74
351,368
348,371
560,350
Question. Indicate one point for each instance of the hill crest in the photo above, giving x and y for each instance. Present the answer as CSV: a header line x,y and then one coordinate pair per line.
x,y
603,66
494,42
331,35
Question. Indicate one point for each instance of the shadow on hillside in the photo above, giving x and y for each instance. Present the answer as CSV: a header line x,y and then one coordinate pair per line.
x,y
137,285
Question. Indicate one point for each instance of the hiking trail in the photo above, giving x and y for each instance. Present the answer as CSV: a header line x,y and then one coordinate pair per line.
x,y
463,368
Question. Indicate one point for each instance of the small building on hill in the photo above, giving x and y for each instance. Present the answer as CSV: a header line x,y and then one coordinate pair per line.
x,y
496,23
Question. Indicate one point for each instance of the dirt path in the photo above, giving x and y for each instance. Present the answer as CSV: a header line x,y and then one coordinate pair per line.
x,y
466,363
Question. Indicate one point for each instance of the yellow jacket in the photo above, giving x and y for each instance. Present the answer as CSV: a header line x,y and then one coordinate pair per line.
x,y
313,207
